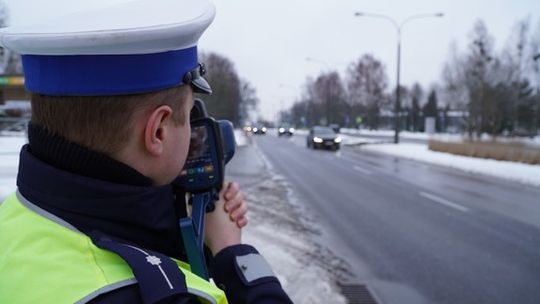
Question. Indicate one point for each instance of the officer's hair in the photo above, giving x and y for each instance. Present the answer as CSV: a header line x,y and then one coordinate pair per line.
x,y
102,123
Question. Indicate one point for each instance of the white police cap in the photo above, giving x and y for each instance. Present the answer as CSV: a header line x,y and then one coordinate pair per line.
x,y
134,47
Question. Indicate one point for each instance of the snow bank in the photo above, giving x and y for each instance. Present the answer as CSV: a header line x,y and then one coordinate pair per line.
x,y
535,141
388,133
349,140
240,137
275,230
524,173
9,163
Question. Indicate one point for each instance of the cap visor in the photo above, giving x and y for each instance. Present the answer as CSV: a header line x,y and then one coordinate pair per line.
x,y
200,85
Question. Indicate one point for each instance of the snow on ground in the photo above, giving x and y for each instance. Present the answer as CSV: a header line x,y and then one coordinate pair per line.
x,y
535,141
240,137
386,133
349,140
303,268
9,162
524,173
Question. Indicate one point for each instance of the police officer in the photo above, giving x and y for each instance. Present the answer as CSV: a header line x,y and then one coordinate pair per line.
x,y
95,217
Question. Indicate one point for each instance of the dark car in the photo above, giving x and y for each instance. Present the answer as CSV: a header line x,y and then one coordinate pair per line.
x,y
259,129
335,127
285,129
323,137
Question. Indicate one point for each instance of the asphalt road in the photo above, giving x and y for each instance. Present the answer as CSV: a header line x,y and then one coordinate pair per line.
x,y
413,232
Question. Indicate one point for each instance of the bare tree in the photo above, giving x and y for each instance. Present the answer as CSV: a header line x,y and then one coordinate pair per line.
x,y
330,92
514,60
225,102
323,101
249,100
534,70
366,83
10,63
416,95
496,87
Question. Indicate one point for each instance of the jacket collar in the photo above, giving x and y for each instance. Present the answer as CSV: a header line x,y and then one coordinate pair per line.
x,y
144,215
70,156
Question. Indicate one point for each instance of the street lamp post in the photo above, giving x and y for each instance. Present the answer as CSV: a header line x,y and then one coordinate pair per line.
x,y
399,27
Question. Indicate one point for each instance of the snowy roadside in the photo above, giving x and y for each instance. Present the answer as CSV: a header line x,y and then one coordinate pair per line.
x,y
9,162
439,136
306,271
523,173
386,133
276,231
240,137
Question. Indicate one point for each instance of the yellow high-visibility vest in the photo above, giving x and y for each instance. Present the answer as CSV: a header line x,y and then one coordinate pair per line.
x,y
43,259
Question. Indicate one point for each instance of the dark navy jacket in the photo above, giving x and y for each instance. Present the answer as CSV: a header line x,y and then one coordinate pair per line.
x,y
96,193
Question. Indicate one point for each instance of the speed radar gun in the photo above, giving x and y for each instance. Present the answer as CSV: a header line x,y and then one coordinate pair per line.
x,y
212,146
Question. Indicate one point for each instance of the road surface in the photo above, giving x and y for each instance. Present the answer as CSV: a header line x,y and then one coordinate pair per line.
x,y
414,232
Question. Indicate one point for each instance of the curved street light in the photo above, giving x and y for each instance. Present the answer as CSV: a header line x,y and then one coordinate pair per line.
x,y
398,27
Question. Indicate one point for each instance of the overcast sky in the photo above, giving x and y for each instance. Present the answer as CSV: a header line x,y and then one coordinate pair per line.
x,y
269,40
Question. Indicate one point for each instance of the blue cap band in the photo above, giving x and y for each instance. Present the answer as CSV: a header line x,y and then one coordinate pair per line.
x,y
94,75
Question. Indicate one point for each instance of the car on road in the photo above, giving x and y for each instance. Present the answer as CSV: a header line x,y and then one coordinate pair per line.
x,y
335,127
285,129
323,137
259,129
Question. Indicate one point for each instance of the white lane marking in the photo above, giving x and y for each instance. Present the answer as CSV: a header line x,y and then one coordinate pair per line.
x,y
443,201
362,170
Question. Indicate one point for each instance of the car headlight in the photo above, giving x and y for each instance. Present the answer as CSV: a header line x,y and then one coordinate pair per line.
x,y
281,130
255,129
263,129
337,140
291,130
317,139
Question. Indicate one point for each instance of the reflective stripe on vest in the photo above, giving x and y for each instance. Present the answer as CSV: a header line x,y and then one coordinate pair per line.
x,y
44,259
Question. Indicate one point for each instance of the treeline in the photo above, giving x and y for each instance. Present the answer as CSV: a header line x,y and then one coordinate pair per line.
x,y
361,98
233,98
482,90
500,90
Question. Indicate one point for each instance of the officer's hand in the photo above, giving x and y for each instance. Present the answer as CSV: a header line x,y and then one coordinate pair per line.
x,y
235,204
220,231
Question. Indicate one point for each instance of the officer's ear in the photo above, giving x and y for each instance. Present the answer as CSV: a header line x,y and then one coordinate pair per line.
x,y
157,125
